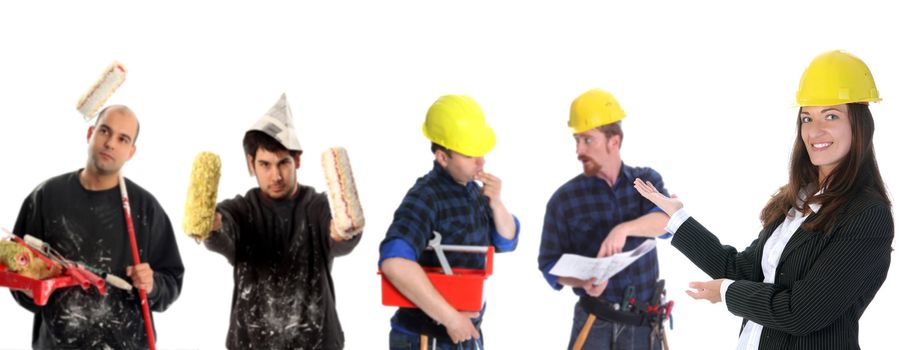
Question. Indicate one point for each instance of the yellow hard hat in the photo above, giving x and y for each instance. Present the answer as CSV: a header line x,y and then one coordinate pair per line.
x,y
457,123
834,78
593,109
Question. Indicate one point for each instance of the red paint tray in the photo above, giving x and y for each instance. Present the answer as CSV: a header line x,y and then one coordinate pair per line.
x,y
72,275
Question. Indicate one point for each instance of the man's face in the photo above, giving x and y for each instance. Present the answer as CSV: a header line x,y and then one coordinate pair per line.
x,y
593,149
275,172
111,142
461,167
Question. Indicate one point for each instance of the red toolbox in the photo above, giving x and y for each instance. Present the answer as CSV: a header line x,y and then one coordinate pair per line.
x,y
464,290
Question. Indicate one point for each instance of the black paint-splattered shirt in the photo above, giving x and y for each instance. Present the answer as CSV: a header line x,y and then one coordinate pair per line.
x,y
89,227
282,255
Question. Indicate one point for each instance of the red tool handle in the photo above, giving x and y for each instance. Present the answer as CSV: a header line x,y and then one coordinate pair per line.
x,y
92,278
150,334
78,276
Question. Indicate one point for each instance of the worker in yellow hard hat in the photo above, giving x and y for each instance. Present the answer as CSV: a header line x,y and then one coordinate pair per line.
x,y
599,214
448,201
826,244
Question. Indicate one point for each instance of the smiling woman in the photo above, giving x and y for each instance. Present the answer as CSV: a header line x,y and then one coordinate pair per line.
x,y
827,135
826,247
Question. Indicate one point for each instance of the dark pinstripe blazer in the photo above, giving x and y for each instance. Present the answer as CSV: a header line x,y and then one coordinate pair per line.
x,y
823,282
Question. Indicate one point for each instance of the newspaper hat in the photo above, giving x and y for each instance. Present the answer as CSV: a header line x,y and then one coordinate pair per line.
x,y
278,124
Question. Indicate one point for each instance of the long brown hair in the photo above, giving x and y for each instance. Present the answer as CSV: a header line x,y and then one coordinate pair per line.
x,y
857,173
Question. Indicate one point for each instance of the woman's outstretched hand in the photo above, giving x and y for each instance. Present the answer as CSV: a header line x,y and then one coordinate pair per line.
x,y
709,290
648,191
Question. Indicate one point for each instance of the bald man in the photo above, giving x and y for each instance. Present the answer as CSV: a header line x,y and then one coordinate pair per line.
x,y
80,214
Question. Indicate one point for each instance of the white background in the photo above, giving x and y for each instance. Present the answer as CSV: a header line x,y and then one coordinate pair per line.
x,y
707,86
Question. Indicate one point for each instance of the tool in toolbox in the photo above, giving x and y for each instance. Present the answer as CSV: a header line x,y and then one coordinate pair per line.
x,y
461,288
438,249
72,274
434,244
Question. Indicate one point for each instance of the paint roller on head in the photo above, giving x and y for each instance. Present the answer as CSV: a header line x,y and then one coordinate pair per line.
x,y
111,79
95,97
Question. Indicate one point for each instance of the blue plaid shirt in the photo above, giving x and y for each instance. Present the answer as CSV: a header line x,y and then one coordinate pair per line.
x,y
580,215
461,214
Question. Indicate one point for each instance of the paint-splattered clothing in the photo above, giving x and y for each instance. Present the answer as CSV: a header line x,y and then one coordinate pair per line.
x,y
282,255
89,227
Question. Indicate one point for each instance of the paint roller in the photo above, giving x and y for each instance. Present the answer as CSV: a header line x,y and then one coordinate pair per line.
x,y
199,209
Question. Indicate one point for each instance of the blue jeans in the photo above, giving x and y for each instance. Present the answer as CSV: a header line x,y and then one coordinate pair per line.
x,y
603,333
402,341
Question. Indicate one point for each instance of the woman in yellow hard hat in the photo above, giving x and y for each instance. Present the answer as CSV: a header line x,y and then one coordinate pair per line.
x,y
825,248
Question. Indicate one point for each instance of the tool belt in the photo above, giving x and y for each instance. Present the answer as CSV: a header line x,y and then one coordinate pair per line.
x,y
633,312
606,312
417,321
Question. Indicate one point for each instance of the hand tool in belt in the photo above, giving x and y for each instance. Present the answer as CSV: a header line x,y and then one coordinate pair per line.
x,y
629,299
424,342
627,304
584,333
658,328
